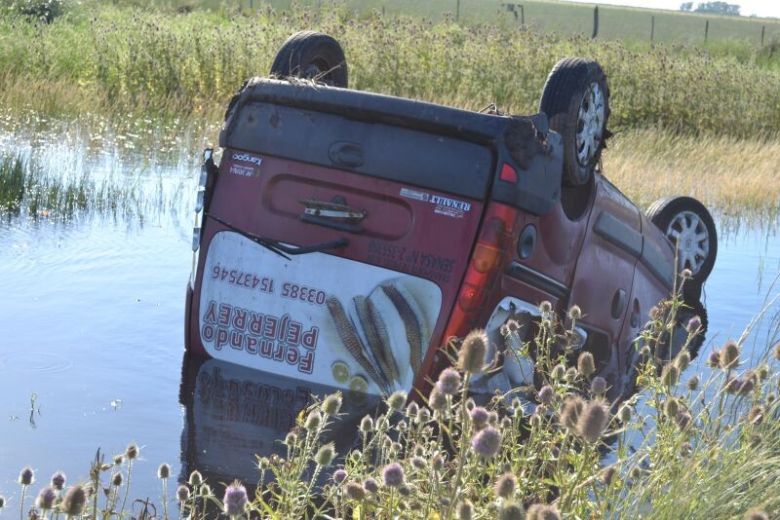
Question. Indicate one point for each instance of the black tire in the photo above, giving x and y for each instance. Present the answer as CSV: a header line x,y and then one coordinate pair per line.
x,y
669,215
572,85
312,55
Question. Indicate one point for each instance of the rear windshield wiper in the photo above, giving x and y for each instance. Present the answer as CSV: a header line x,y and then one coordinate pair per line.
x,y
282,249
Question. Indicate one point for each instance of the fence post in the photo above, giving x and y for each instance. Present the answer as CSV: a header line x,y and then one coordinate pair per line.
x,y
652,29
763,31
706,30
522,16
595,22
457,10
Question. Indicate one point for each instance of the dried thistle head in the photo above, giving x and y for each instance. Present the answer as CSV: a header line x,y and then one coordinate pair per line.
x,y
729,355
325,455
670,375
131,453
511,510
58,481
570,414
486,442
558,372
546,394
586,365
465,510
449,381
332,404
235,499
355,491
693,383
598,386
505,485
74,501
671,407
396,401
46,498
593,421
182,493
26,476
164,471
683,360
471,358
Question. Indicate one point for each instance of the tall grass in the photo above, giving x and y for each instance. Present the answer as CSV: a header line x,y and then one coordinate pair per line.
x,y
113,59
709,447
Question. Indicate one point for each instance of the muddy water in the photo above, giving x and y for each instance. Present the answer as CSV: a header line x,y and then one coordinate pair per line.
x,y
91,336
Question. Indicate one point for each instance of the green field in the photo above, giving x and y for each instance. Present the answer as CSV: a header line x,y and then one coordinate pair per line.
x,y
615,22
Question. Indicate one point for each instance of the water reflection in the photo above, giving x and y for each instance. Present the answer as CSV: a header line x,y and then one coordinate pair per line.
x,y
234,414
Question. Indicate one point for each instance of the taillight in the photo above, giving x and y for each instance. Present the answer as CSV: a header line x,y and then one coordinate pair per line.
x,y
482,271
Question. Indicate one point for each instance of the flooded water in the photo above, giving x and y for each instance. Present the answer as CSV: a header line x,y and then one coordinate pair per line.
x,y
92,354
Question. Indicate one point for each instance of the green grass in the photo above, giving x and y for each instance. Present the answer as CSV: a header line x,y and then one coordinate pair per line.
x,y
623,23
117,60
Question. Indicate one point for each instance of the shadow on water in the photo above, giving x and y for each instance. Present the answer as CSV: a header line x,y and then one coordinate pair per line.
x,y
234,415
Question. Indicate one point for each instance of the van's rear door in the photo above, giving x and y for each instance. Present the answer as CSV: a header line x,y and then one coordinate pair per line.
x,y
389,216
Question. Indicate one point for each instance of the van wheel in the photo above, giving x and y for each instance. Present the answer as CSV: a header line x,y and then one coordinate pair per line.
x,y
575,99
312,55
690,228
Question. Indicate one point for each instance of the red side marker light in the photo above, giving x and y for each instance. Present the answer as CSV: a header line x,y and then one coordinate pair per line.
x,y
508,174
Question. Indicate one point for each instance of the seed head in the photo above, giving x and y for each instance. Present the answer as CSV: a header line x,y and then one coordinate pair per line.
x,y
2,502
479,417
119,459
471,357
74,501
756,515
396,401
116,479
325,455
235,499
371,485
543,512
511,510
58,481
729,357
196,479
182,493
598,386
624,413
313,421
671,407
366,424
714,359
572,409
164,471
545,307
693,383
486,442
683,419
355,491
205,490
465,510
506,423
575,313
405,490
291,438
46,498
762,372
546,394
449,381
670,375
756,414
419,463
339,476
437,400
558,372
686,274
26,476
693,325
586,365
777,351
424,416
733,385
393,475
683,360
571,375
686,449
332,404
132,451
437,463
505,485
746,386
412,410
593,421
608,475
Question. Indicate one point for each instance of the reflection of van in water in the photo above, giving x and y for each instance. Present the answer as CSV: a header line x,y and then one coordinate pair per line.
x,y
345,235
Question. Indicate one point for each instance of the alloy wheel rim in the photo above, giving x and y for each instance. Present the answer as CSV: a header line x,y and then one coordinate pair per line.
x,y
689,233
590,124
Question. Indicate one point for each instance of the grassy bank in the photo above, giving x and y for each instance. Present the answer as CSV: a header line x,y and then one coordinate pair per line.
x,y
100,58
709,447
